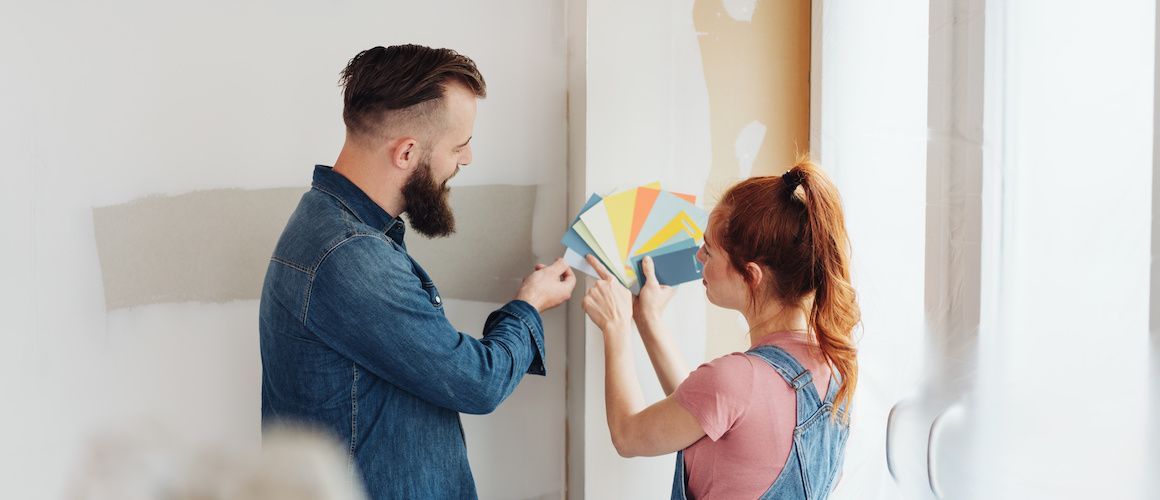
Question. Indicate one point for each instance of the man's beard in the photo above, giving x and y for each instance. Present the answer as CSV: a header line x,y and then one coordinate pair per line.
x,y
427,207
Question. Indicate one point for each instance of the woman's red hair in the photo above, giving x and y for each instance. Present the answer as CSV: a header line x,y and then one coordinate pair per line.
x,y
798,233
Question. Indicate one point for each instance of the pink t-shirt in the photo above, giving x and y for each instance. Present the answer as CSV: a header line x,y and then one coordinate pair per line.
x,y
748,413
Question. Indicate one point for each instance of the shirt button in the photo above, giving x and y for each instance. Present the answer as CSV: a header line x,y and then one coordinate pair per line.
x,y
437,300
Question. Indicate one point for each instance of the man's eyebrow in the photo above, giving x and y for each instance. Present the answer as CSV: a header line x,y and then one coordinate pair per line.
x,y
465,143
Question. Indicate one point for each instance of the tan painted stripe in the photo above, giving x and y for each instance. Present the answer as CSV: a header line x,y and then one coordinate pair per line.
x,y
214,246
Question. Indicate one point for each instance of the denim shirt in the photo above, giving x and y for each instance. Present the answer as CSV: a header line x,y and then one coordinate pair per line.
x,y
354,341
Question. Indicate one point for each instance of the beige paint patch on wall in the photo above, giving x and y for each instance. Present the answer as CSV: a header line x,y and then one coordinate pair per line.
x,y
756,59
491,251
214,246
204,246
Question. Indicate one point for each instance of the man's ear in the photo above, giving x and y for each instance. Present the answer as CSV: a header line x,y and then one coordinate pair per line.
x,y
404,152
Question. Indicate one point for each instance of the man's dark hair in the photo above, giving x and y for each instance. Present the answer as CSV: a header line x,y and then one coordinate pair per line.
x,y
380,81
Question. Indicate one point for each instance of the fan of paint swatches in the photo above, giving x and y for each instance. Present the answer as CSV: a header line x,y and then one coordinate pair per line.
x,y
622,228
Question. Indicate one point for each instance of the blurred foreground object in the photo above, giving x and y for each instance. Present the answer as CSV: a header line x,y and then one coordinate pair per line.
x,y
149,464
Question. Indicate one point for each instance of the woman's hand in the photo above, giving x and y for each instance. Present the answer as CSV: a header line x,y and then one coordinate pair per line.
x,y
608,303
653,297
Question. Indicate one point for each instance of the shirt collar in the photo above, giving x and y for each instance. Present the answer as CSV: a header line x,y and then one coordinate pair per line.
x,y
357,202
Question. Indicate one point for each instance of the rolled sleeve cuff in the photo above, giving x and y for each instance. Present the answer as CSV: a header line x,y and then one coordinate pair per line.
x,y
530,317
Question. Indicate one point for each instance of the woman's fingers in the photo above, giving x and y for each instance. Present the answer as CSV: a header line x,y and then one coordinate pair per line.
x,y
599,267
650,277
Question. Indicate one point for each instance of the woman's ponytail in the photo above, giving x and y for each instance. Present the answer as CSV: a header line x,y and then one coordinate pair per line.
x,y
835,309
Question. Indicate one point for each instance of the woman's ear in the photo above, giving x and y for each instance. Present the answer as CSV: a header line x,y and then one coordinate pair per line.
x,y
756,274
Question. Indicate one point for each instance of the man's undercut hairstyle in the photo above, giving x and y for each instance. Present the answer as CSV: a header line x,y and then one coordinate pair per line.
x,y
385,89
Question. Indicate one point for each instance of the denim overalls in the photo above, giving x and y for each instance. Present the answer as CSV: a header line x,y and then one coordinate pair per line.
x,y
819,442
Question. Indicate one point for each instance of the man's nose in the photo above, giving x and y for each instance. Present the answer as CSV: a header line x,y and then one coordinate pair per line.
x,y
466,159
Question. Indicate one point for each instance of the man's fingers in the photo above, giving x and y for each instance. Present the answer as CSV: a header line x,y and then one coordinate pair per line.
x,y
599,267
560,265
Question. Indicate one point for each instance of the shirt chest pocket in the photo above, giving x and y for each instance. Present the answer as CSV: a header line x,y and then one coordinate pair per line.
x,y
428,285
433,294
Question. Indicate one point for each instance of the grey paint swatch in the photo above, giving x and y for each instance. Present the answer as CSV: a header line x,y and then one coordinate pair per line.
x,y
214,246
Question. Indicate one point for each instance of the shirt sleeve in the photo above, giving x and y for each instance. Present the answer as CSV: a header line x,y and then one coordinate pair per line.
x,y
367,304
717,393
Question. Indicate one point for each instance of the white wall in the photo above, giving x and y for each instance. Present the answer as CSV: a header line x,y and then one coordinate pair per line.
x,y
647,119
106,103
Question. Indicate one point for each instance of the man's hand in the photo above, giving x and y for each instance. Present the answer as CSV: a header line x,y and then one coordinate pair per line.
x,y
548,286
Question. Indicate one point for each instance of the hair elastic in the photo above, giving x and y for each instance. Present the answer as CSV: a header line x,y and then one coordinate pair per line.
x,y
792,179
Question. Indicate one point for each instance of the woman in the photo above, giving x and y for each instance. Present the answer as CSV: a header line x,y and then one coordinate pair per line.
x,y
771,422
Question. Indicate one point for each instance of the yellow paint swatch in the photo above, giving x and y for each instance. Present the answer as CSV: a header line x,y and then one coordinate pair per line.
x,y
620,207
681,223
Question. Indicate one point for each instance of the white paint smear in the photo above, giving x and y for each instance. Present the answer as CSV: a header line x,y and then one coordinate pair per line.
x,y
747,145
741,10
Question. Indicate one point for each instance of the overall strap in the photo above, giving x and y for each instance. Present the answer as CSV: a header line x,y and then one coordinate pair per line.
x,y
800,379
793,372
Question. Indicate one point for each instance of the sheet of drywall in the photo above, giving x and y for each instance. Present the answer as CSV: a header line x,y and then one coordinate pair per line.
x,y
106,105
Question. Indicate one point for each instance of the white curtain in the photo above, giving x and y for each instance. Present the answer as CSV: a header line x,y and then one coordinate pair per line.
x,y
995,160
1063,367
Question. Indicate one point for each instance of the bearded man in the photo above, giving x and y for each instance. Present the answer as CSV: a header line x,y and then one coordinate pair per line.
x,y
353,335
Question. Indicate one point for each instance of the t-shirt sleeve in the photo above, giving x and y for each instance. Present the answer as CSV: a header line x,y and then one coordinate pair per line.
x,y
717,393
